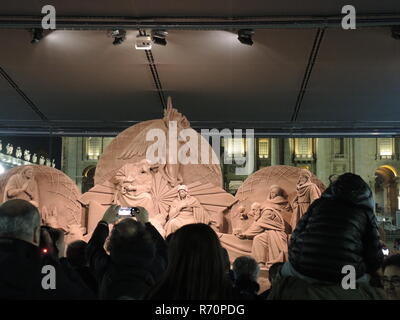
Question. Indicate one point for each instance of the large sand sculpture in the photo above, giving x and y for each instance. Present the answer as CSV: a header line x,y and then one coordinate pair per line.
x,y
125,177
49,189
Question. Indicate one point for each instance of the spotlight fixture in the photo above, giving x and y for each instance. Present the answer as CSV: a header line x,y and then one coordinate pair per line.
x,y
143,42
37,35
396,32
159,37
245,36
119,36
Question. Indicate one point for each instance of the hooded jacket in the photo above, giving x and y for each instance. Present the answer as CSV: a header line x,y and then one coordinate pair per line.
x,y
338,229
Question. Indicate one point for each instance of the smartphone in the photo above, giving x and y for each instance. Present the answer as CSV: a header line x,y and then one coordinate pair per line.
x,y
127,211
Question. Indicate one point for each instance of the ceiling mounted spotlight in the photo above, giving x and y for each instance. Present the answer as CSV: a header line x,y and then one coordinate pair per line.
x,y
119,36
245,36
37,35
159,37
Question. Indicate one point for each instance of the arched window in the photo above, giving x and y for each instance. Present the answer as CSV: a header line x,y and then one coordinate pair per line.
x,y
88,178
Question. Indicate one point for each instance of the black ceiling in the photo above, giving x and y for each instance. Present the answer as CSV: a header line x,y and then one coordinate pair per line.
x,y
197,8
292,80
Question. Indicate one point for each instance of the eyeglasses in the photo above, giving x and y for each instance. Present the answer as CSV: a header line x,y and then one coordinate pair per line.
x,y
395,282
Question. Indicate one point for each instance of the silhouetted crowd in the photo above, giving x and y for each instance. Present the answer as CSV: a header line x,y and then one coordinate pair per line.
x,y
334,252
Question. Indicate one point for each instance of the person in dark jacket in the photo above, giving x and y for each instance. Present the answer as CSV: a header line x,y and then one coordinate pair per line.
x,y
246,271
338,230
22,261
137,255
76,257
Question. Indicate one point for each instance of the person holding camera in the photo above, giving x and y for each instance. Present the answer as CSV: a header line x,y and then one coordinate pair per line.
x,y
136,257
31,263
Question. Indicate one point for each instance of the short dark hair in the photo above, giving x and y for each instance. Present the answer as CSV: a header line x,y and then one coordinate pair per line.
x,y
247,267
127,235
393,260
76,253
18,219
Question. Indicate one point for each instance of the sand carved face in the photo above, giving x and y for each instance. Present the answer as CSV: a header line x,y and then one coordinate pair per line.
x,y
134,179
28,173
275,192
255,209
304,177
302,180
182,194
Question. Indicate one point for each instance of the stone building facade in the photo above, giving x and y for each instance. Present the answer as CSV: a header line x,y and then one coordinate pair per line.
x,y
80,156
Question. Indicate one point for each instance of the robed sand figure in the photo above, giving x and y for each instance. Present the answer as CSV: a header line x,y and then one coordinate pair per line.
x,y
185,209
307,192
23,186
270,241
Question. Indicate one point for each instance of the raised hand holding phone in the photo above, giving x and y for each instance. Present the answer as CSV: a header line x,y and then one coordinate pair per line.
x,y
142,215
111,214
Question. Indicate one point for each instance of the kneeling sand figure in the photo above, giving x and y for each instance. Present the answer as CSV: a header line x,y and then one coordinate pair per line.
x,y
184,210
23,186
270,240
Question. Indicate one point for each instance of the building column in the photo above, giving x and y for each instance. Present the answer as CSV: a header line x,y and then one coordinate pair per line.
x,y
251,158
386,209
288,152
323,167
397,214
69,157
350,154
275,152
